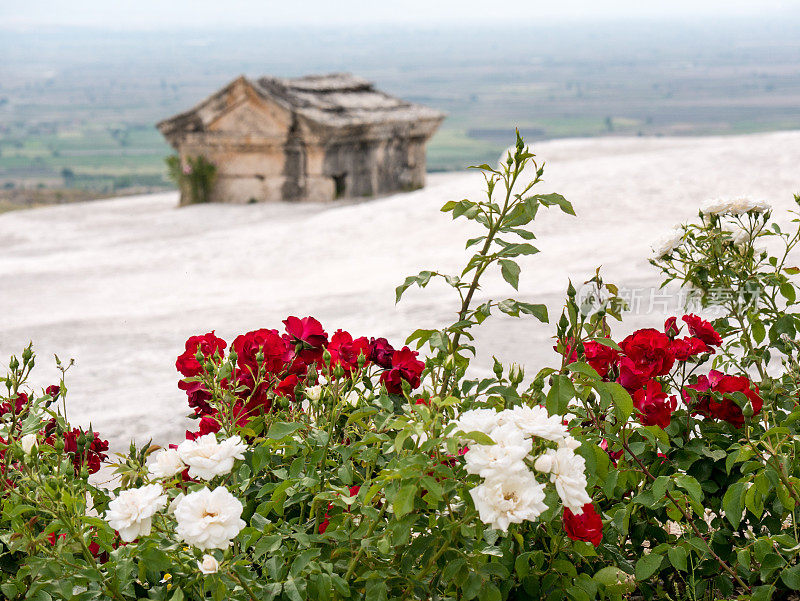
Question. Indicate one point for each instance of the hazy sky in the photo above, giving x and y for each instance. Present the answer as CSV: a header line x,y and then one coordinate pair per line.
x,y
157,14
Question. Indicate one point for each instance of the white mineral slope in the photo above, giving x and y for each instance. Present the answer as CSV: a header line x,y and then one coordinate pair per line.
x,y
120,284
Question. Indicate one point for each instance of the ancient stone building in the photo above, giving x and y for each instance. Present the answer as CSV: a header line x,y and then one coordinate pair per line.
x,y
314,138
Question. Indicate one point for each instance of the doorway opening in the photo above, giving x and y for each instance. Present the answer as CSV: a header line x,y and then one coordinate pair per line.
x,y
340,185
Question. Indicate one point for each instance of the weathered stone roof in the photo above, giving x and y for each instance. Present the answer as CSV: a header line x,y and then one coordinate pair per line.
x,y
337,100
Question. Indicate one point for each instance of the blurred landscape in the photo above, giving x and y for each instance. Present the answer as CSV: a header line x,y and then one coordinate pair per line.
x,y
78,106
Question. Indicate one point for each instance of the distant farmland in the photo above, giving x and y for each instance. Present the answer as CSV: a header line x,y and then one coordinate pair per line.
x,y
77,108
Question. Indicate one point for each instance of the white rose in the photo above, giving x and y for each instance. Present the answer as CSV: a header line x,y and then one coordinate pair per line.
x,y
570,443
739,206
208,565
534,421
28,442
666,243
566,471
504,457
509,500
209,519
132,511
165,463
314,392
207,458
477,420
715,206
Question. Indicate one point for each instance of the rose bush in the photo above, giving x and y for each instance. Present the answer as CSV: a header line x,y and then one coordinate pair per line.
x,y
333,466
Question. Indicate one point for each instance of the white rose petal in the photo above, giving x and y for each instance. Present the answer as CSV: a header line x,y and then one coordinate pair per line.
x,y
207,458
566,471
165,463
734,206
667,243
314,392
132,511
534,421
502,458
477,420
209,519
208,565
27,443
509,500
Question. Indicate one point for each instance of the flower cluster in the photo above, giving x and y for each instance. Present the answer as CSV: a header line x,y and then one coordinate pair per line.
x,y
510,492
270,366
668,242
204,518
734,206
648,356
721,405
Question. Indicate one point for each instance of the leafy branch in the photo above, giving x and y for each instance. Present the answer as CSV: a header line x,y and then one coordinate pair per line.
x,y
507,216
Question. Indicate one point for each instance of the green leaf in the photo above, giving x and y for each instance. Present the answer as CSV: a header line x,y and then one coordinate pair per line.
x,y
677,557
538,311
290,590
733,503
647,566
510,271
758,330
403,501
280,430
607,342
583,368
549,200
762,593
690,485
490,592
623,403
791,577
560,394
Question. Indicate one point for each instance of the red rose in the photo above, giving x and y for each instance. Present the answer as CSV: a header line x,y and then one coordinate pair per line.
x,y
276,352
686,347
207,344
671,328
286,386
345,350
600,356
702,329
587,526
53,390
654,406
405,366
308,340
92,454
628,376
197,395
380,352
724,409
649,352
307,330
17,407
